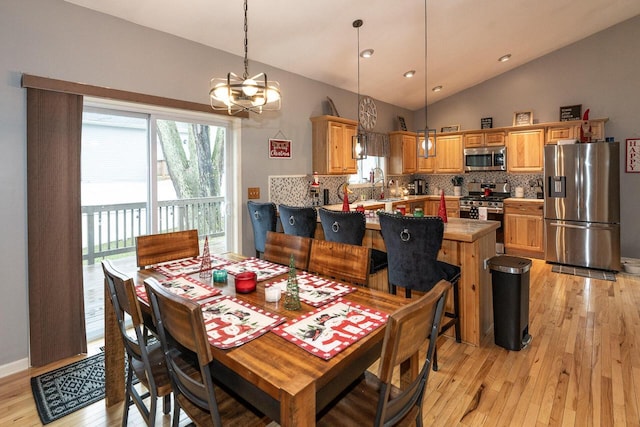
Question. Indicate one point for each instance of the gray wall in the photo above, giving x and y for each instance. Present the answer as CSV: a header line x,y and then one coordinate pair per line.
x,y
55,39
601,72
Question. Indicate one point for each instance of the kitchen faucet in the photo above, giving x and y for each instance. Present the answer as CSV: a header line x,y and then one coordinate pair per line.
x,y
377,175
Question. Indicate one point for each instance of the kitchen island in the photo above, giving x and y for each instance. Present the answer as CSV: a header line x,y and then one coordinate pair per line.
x,y
468,243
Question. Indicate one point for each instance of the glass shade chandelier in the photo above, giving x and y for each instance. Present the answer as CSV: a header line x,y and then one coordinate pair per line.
x,y
359,140
235,94
426,137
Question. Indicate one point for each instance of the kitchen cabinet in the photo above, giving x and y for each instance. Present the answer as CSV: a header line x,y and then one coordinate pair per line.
x,y
484,139
571,130
449,154
523,228
404,154
525,150
331,145
431,207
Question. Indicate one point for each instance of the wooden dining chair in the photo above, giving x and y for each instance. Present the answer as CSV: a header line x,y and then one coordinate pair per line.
x,y
374,400
341,261
280,246
153,249
146,361
189,359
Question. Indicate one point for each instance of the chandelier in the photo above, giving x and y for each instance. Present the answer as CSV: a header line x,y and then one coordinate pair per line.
x,y
426,137
235,94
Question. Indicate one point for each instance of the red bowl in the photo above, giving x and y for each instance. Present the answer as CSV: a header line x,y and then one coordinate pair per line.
x,y
246,282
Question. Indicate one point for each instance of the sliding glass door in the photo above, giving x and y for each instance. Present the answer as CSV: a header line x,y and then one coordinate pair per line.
x,y
146,172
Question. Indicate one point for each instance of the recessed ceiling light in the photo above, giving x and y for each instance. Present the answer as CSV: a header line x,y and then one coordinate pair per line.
x,y
367,53
410,73
504,58
437,88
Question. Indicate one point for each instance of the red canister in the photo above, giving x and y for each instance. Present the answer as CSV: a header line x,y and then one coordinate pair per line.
x,y
246,282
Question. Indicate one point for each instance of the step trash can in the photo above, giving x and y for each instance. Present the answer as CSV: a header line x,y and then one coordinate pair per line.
x,y
510,286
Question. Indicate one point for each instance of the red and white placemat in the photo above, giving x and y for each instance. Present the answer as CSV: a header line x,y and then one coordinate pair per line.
x,y
314,290
189,266
263,269
184,286
327,331
231,322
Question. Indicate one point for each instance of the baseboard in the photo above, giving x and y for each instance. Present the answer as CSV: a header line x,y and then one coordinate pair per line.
x,y
14,367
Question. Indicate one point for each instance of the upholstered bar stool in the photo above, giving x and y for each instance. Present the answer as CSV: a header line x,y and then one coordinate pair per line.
x,y
349,227
412,252
263,218
299,221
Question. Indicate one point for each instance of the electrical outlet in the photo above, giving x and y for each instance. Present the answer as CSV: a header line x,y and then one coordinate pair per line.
x,y
254,193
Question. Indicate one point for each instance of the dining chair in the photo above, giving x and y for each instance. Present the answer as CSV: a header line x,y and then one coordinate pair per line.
x,y
279,247
156,248
349,227
412,245
189,359
374,400
341,261
146,361
299,221
263,218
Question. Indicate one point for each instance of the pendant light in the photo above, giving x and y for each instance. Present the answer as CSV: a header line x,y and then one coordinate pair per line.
x,y
359,140
426,137
254,94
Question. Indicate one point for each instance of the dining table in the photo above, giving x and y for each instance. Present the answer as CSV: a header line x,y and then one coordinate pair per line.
x,y
287,383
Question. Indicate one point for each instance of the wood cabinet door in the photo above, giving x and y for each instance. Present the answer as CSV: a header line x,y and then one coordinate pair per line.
x,y
340,159
409,154
449,154
428,164
525,150
473,140
524,229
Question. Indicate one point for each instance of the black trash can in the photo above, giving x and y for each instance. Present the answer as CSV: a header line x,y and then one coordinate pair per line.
x,y
510,285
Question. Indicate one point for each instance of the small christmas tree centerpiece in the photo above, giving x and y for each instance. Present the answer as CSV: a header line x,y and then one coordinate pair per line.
x,y
291,295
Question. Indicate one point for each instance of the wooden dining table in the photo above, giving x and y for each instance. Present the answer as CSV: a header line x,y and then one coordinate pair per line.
x,y
282,380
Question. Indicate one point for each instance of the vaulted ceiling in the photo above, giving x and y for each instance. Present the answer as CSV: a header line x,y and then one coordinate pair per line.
x,y
316,39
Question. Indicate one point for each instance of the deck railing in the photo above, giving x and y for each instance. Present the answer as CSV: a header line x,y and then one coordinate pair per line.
x,y
112,229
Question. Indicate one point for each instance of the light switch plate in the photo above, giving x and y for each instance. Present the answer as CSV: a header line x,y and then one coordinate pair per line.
x,y
254,193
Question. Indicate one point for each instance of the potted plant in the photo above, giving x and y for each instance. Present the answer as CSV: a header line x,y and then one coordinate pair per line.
x,y
457,184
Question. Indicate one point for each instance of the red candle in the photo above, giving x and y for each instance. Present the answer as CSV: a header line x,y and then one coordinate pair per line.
x,y
246,282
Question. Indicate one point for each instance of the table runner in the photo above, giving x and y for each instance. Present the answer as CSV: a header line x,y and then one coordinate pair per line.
x,y
328,330
315,291
231,322
184,286
189,266
263,269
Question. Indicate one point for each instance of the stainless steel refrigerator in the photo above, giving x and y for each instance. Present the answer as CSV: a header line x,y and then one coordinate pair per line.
x,y
582,205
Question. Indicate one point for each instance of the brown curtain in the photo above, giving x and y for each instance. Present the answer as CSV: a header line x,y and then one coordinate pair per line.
x,y
56,302
378,144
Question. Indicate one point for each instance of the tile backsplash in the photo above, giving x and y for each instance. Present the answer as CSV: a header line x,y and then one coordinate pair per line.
x,y
294,190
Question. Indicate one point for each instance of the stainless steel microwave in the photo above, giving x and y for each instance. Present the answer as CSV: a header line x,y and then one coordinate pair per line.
x,y
485,159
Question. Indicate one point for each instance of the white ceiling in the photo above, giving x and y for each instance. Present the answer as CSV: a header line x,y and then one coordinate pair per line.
x,y
316,39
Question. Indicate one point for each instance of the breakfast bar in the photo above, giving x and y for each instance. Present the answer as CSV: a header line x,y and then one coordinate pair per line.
x,y
469,244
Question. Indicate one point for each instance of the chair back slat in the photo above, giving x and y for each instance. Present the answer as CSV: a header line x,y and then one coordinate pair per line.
x,y
280,246
342,261
156,248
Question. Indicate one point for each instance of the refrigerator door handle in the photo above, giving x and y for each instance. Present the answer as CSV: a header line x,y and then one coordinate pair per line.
x,y
580,227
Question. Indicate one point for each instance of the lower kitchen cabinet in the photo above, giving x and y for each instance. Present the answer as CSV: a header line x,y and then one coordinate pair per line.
x,y
431,207
523,228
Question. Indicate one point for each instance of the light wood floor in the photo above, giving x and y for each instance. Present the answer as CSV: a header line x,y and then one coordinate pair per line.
x,y
581,369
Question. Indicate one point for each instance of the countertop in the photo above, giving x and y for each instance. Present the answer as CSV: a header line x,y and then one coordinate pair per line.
x,y
460,229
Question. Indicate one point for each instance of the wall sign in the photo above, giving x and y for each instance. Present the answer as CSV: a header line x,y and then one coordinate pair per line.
x,y
523,118
279,148
571,112
486,123
633,156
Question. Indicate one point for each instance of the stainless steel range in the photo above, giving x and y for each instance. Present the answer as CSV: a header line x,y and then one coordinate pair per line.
x,y
489,195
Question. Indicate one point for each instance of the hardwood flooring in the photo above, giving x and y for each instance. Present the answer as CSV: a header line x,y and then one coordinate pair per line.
x,y
582,367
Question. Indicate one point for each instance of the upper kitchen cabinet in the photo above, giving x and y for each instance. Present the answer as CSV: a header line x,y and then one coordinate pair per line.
x,y
449,154
332,139
404,153
571,130
525,149
484,139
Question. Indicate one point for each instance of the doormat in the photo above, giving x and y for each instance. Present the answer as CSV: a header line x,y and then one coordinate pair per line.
x,y
584,272
67,389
